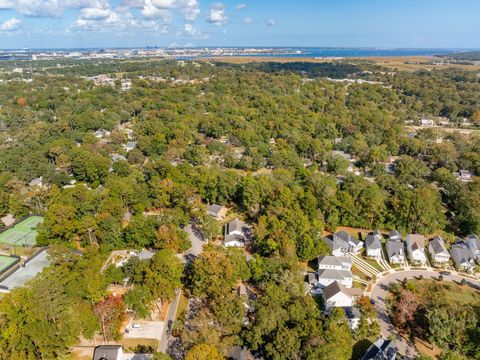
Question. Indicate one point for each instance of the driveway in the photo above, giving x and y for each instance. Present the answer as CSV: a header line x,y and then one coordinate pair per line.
x,y
196,239
380,292
165,336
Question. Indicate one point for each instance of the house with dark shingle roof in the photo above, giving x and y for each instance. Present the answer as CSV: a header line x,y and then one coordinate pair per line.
x,y
473,243
462,257
373,244
395,252
394,235
347,243
217,211
438,251
382,349
108,352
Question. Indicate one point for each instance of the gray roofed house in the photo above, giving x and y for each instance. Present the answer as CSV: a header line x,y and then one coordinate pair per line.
x,y
234,240
394,235
217,211
347,243
145,255
334,262
236,227
117,157
327,276
373,244
462,257
473,243
438,251
108,352
130,145
395,252
382,349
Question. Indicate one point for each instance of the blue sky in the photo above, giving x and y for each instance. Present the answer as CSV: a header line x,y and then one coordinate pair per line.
x,y
337,23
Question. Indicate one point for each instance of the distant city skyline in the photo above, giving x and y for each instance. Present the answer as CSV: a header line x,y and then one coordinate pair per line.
x,y
303,23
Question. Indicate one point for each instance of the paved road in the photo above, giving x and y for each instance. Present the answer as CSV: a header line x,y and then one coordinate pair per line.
x,y
380,292
172,310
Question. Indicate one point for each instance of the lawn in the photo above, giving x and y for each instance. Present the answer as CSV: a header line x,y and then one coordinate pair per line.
x,y
372,262
182,305
359,273
133,342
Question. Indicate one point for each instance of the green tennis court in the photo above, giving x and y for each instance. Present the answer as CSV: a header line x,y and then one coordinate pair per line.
x,y
6,261
23,233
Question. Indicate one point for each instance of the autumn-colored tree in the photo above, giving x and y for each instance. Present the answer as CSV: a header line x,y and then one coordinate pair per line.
x,y
21,101
406,307
203,352
171,237
110,313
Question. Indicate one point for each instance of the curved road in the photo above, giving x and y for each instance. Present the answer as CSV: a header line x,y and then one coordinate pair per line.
x,y
380,292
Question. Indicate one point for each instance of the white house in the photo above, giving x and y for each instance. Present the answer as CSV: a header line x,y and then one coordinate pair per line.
x,y
427,122
234,240
373,244
438,251
416,248
236,233
334,262
327,276
337,295
395,252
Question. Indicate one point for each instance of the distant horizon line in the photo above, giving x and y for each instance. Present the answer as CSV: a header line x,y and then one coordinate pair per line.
x,y
150,47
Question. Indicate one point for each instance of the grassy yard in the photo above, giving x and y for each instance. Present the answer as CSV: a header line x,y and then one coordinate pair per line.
x,y
182,305
133,342
372,262
359,273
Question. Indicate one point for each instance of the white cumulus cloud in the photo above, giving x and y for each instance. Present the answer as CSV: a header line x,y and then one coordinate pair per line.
x,y
248,21
216,15
11,25
271,22
241,6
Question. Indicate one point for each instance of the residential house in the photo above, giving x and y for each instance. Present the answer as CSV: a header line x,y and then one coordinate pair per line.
x,y
117,157
382,349
395,251
462,257
108,352
101,133
130,145
394,235
427,122
234,240
464,175
347,242
373,244
337,295
236,233
328,276
438,251
334,262
37,182
473,243
416,248
353,315
217,211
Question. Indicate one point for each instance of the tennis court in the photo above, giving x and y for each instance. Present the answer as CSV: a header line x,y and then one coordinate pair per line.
x,y
23,233
6,261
